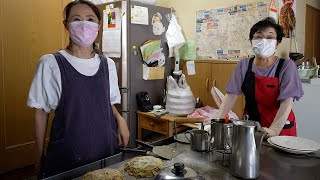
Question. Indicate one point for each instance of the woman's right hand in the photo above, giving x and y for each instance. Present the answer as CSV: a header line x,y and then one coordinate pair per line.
x,y
268,132
41,120
123,132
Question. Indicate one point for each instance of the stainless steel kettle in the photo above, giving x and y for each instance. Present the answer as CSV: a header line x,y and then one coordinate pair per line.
x,y
246,140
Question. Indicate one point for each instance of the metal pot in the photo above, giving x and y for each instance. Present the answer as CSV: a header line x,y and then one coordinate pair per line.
x,y
178,171
199,140
221,134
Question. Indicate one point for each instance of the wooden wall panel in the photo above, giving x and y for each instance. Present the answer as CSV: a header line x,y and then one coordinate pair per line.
x,y
1,85
316,44
29,29
200,82
312,35
222,73
211,70
308,50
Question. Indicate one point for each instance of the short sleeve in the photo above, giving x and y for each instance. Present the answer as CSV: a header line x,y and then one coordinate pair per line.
x,y
45,88
115,97
290,83
235,82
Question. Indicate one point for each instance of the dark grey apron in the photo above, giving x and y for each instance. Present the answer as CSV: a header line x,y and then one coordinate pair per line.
x,y
84,127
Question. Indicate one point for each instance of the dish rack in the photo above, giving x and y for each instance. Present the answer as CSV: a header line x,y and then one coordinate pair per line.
x,y
226,154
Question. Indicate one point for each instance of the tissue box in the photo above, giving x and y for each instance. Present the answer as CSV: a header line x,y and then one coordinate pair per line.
x,y
153,73
308,73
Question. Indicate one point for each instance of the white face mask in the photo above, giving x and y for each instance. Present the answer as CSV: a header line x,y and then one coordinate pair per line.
x,y
264,48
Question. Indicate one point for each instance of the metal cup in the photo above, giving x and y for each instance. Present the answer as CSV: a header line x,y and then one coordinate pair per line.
x,y
198,140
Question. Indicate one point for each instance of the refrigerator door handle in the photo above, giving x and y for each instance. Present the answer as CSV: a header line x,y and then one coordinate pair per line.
x,y
124,98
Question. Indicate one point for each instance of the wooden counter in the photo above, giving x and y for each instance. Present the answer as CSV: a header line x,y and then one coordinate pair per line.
x,y
164,124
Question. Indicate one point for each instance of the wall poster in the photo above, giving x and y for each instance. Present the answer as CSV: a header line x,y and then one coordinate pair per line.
x,y
224,33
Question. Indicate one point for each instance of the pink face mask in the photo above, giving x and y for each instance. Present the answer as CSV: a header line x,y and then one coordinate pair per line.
x,y
83,33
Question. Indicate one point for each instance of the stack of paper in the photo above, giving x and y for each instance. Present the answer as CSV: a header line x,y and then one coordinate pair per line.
x,y
152,53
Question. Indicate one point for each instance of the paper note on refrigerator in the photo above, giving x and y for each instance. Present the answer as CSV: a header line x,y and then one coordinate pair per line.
x,y
148,48
111,43
191,68
188,51
155,55
112,19
139,15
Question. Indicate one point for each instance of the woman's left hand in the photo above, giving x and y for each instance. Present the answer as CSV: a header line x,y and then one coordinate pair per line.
x,y
123,132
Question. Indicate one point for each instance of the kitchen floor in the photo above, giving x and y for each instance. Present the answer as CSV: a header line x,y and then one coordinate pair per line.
x,y
26,173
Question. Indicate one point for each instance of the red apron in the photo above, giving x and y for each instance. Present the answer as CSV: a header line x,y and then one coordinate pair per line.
x,y
261,95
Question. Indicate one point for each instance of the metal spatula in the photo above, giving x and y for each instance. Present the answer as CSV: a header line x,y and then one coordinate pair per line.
x,y
165,152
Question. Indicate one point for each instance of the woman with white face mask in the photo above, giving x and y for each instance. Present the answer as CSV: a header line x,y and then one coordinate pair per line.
x,y
270,84
82,87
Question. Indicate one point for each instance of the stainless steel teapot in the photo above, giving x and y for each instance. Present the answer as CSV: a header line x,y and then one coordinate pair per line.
x,y
246,140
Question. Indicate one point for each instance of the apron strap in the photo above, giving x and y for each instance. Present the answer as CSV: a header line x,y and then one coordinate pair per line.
x,y
281,61
250,64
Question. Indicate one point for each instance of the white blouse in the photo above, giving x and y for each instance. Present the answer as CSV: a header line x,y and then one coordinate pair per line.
x,y
46,87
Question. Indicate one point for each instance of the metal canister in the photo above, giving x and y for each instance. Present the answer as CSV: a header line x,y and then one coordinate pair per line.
x,y
221,134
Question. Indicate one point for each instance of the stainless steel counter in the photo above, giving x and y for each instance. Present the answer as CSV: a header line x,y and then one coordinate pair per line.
x,y
274,164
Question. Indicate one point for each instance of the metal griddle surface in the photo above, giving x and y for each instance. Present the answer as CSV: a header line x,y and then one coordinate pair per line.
x,y
274,164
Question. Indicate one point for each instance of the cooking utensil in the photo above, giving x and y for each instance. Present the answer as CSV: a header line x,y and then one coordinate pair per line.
x,y
221,134
246,140
227,119
182,138
178,171
165,152
199,139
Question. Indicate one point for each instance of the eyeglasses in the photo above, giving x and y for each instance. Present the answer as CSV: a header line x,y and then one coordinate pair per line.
x,y
260,37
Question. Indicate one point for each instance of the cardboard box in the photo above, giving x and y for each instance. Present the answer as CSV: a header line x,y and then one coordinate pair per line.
x,y
152,73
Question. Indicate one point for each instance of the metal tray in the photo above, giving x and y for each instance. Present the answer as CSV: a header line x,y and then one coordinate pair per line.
x,y
117,161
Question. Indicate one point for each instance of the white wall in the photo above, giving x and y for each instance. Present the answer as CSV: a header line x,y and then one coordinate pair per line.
x,y
186,11
307,113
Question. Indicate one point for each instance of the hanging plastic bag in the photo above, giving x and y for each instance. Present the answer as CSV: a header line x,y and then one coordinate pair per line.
x,y
180,100
174,36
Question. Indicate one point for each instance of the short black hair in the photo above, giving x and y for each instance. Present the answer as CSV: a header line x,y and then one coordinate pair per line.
x,y
266,23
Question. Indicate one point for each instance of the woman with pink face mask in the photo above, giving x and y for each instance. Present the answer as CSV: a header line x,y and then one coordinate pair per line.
x,y
81,86
270,84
